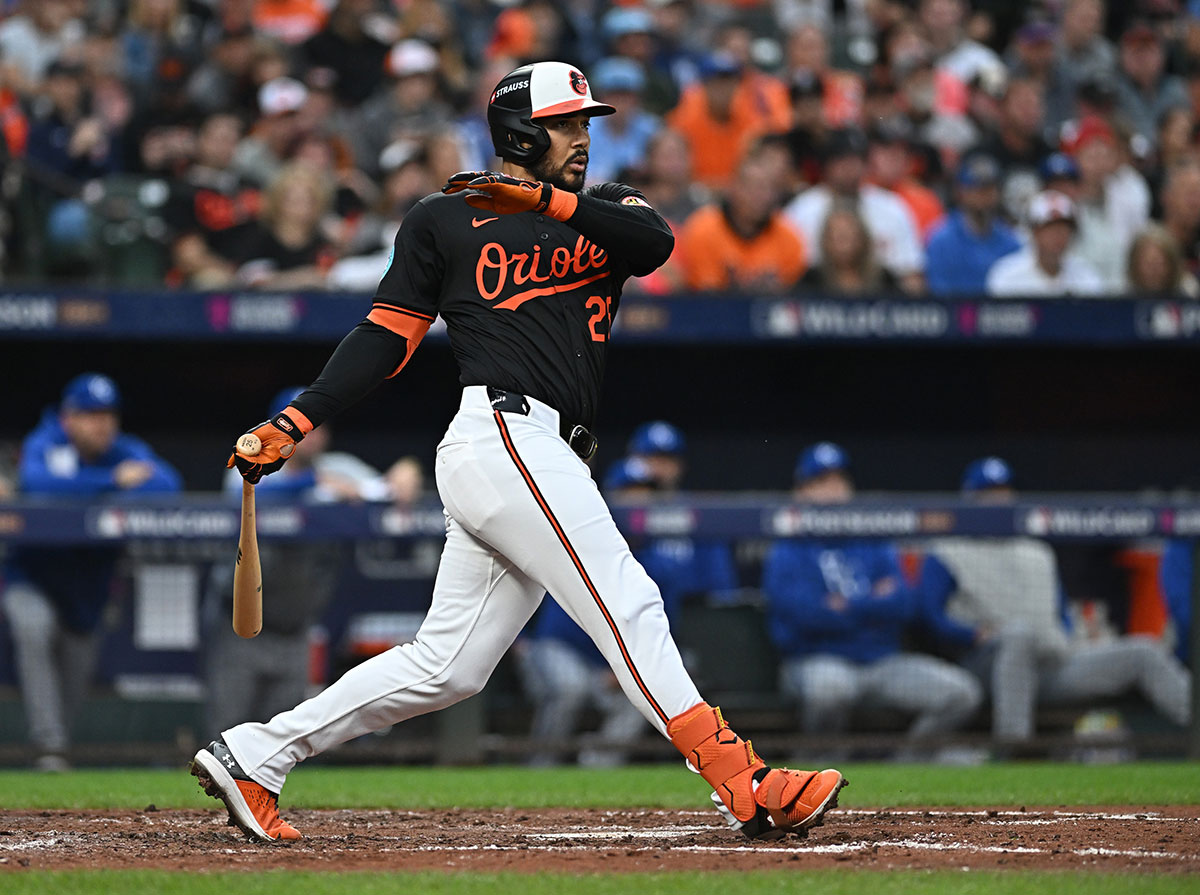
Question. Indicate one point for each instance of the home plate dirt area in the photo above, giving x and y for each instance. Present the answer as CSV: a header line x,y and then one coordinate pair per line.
x,y
1150,839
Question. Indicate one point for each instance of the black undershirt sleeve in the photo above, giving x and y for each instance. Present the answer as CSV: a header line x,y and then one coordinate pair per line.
x,y
636,234
367,355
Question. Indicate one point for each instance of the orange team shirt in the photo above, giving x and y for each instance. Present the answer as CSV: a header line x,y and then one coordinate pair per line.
x,y
760,106
712,256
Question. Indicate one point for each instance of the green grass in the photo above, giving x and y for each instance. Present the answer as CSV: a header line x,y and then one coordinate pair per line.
x,y
838,882
653,786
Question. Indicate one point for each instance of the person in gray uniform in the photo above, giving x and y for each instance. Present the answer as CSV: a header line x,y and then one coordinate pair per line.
x,y
998,604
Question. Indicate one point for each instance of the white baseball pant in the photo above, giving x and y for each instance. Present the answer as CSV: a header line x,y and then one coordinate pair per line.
x,y
523,517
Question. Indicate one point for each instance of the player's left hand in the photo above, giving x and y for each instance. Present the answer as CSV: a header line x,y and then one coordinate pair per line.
x,y
501,193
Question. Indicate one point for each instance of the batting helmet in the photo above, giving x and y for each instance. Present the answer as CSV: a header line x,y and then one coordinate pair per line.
x,y
528,93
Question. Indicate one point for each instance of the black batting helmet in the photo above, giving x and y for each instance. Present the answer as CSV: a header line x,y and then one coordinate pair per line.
x,y
528,93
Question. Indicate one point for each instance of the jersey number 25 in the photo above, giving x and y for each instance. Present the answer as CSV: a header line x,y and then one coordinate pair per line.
x,y
601,318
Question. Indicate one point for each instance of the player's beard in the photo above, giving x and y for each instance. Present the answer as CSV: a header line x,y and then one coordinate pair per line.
x,y
558,176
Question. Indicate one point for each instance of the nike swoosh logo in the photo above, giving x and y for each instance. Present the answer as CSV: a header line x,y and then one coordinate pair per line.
x,y
476,222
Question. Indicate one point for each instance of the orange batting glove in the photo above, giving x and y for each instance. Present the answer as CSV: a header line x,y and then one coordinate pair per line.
x,y
504,194
279,436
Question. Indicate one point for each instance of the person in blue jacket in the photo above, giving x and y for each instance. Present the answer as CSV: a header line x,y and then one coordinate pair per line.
x,y
1176,571
562,668
963,248
54,597
837,611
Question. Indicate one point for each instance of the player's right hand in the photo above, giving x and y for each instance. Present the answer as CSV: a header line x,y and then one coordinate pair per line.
x,y
279,437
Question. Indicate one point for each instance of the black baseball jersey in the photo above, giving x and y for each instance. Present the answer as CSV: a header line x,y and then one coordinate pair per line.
x,y
528,300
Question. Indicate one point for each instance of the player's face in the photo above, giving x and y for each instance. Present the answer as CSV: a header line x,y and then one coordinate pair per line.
x,y
91,431
565,163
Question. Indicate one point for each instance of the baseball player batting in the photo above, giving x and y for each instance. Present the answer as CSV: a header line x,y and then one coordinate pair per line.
x,y
526,268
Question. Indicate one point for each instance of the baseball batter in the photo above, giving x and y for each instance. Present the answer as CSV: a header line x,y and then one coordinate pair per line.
x,y
526,268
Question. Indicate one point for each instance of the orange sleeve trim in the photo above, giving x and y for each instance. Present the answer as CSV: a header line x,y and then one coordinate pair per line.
x,y
402,323
299,419
562,204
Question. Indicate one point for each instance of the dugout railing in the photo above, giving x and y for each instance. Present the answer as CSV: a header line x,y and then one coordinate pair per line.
x,y
148,698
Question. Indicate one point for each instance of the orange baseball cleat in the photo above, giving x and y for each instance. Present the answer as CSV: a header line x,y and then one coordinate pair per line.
x,y
761,801
252,807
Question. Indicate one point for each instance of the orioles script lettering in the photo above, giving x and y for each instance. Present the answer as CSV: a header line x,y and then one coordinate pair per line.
x,y
560,271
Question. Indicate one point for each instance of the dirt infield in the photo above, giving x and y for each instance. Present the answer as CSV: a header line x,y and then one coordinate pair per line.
x,y
1150,839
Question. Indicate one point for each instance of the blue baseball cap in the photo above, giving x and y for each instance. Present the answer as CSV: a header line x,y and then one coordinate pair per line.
x,y
284,398
91,391
1058,166
657,437
617,73
624,20
627,473
986,472
820,458
979,169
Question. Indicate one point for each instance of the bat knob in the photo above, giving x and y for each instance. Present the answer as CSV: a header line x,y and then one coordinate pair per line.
x,y
249,445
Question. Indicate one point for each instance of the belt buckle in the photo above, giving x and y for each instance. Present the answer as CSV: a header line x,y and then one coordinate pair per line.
x,y
587,443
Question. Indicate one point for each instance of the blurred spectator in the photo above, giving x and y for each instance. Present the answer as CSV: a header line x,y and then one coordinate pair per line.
x,y
348,47
837,610
1034,56
262,154
848,263
55,597
158,40
743,242
1019,143
1047,267
963,248
224,82
1176,575
407,105
841,92
890,165
632,33
917,96
1155,266
808,130
723,114
1082,49
619,141
68,142
1144,89
1112,202
1176,135
997,603
43,33
667,178
211,208
678,45
285,249
956,53
258,678
897,245
1180,198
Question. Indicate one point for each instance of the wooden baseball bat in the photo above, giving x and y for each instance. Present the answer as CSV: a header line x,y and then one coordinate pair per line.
x,y
247,571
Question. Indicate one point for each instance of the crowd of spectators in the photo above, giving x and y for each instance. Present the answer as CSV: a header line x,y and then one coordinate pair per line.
x,y
844,147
